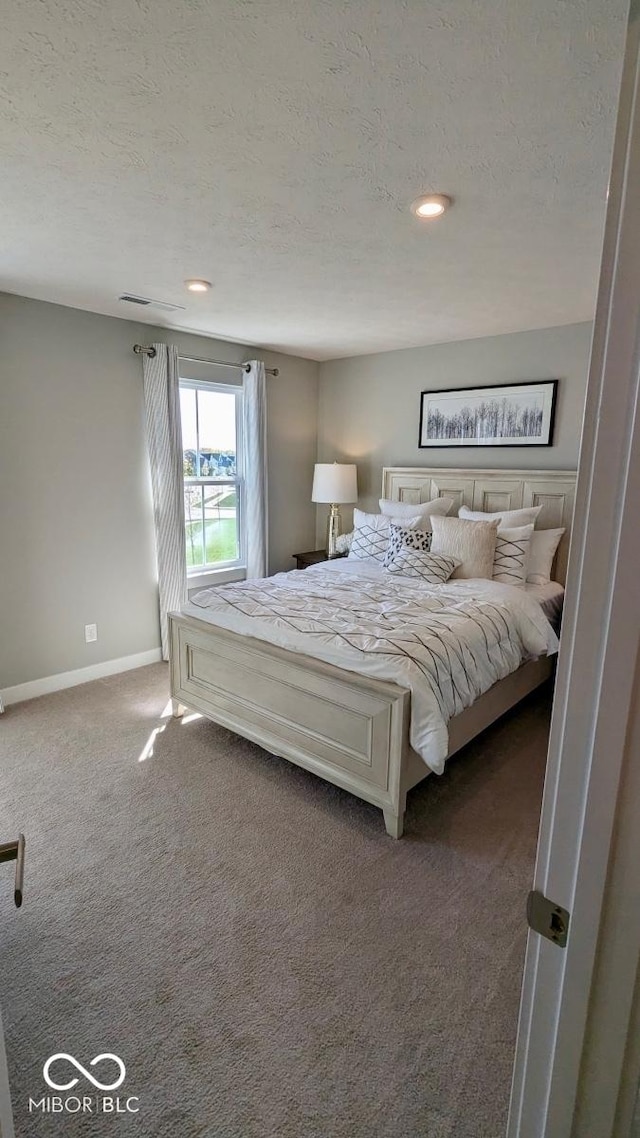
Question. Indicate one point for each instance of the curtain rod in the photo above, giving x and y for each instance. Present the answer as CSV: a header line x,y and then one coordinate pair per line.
x,y
144,350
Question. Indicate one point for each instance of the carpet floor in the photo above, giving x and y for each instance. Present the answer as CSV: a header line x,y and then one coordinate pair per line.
x,y
264,959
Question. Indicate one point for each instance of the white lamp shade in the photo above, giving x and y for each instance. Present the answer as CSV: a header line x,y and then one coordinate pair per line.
x,y
335,482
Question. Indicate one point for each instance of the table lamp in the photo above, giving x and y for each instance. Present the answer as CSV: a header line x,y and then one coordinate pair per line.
x,y
334,483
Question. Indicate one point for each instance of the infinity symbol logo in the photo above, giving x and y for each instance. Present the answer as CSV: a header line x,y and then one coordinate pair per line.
x,y
83,1071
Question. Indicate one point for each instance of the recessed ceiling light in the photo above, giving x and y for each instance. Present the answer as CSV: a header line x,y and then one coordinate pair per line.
x,y
198,286
430,206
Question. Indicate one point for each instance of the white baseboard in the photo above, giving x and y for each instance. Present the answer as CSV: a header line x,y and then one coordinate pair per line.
x,y
79,676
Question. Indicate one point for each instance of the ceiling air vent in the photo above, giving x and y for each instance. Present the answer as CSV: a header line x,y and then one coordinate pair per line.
x,y
148,302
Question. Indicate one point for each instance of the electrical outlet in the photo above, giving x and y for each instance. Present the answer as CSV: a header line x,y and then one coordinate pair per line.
x,y
90,633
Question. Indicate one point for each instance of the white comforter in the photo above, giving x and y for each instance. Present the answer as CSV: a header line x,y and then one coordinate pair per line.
x,y
447,643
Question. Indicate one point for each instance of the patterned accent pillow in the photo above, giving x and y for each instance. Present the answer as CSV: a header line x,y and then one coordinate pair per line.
x,y
435,568
511,558
401,537
369,542
371,535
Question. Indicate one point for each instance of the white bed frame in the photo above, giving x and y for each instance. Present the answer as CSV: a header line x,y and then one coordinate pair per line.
x,y
349,729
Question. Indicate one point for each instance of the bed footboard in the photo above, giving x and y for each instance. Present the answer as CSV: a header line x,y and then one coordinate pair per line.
x,y
351,730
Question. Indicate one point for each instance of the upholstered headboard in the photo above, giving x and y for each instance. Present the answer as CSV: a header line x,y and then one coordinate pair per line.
x,y
492,490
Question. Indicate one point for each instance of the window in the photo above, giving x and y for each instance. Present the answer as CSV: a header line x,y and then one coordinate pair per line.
x,y
212,463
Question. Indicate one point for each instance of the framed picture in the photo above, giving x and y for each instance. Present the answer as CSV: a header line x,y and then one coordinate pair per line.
x,y
514,415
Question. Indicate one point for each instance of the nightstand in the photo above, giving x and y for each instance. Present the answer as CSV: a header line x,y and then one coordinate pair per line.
x,y
312,557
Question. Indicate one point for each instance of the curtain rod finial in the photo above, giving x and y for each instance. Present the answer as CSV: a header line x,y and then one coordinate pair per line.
x,y
269,370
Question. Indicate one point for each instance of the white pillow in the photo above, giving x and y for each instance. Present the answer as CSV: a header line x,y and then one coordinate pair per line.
x,y
371,535
473,544
382,521
434,568
402,510
544,543
507,518
511,558
343,542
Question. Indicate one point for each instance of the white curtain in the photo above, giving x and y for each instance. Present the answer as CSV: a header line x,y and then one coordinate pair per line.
x,y
255,473
164,438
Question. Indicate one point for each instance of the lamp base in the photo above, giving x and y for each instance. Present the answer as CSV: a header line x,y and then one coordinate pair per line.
x,y
334,528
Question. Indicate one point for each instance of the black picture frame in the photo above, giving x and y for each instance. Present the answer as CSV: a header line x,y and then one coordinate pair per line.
x,y
442,412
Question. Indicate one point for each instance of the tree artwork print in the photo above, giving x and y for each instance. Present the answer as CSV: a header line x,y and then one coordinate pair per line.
x,y
515,415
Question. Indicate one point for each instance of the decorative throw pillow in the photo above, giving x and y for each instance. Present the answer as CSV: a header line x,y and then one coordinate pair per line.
x,y
434,568
343,542
401,537
472,544
401,510
511,558
371,535
506,518
544,543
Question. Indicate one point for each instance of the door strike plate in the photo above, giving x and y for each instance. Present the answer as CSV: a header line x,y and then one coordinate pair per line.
x,y
547,918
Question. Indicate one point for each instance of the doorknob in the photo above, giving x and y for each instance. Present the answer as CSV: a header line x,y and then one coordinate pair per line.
x,y
14,851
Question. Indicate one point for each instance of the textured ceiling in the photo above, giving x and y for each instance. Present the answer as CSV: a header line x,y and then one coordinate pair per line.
x,y
274,146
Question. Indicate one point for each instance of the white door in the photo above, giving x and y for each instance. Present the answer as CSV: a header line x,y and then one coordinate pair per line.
x,y
6,1120
577,1052
11,852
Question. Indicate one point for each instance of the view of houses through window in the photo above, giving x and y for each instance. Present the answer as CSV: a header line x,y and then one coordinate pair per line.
x,y
212,466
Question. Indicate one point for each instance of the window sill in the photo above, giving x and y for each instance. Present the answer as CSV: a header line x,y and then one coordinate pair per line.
x,y
210,577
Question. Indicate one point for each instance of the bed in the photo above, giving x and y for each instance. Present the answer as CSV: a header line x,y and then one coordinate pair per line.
x,y
356,730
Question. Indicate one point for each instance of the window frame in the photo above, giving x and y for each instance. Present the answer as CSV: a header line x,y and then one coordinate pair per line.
x,y
232,568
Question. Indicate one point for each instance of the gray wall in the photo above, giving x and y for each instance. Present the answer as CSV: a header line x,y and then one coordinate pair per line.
x,y
369,406
76,529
